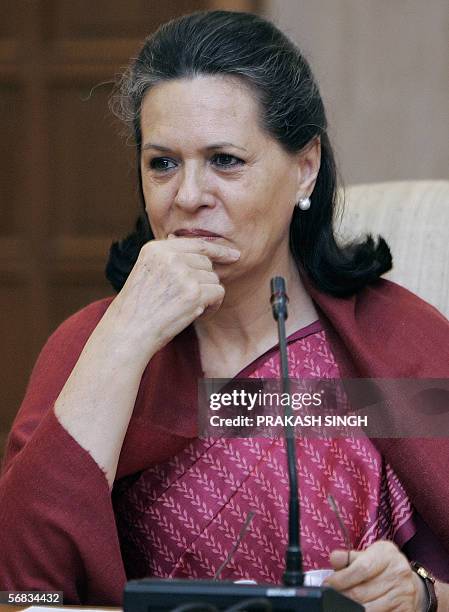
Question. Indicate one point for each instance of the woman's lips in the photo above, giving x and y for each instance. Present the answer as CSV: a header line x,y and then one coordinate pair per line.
x,y
197,233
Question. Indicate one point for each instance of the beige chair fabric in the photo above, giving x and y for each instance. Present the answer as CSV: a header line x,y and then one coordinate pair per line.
x,y
413,217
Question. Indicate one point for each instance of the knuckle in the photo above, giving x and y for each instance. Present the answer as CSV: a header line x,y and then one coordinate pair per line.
x,y
393,554
192,292
384,546
364,566
150,252
403,567
148,247
145,247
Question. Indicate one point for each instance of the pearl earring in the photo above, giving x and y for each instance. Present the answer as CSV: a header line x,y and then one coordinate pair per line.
x,y
304,203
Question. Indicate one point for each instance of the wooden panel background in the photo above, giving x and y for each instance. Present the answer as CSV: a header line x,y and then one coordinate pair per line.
x,y
67,179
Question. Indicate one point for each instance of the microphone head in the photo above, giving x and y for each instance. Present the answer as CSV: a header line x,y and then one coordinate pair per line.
x,y
277,285
279,298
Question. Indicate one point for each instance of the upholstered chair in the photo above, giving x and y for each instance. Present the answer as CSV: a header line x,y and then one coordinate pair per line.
x,y
413,217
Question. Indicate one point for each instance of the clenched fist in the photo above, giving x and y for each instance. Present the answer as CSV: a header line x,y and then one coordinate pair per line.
x,y
171,284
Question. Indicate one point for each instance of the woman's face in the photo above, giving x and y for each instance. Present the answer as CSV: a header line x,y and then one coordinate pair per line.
x,y
209,168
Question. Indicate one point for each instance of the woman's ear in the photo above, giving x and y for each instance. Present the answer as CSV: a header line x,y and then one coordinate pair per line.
x,y
309,159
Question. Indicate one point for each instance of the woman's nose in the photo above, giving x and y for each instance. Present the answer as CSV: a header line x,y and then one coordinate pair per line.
x,y
191,189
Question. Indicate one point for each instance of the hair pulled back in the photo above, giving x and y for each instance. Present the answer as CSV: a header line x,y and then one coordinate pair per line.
x,y
250,48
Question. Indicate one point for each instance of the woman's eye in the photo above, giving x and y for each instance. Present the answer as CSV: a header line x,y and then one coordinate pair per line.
x,y
225,160
161,164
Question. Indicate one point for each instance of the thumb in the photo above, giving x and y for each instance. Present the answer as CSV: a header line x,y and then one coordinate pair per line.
x,y
342,558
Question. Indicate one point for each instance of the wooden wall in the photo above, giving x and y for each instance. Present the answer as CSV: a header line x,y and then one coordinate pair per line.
x,y
67,180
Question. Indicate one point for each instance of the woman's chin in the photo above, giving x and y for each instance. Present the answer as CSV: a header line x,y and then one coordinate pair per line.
x,y
228,272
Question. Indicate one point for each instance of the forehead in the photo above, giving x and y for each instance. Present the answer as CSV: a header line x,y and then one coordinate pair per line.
x,y
201,108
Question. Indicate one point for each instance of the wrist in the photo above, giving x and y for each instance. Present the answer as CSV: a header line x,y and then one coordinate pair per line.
x,y
430,602
123,344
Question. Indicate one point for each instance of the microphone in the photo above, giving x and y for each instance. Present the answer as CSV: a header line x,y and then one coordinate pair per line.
x,y
293,575
279,298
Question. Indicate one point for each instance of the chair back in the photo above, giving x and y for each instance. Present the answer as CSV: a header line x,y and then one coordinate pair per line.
x,y
413,217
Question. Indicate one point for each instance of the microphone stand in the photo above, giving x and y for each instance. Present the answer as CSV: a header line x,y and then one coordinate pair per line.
x,y
293,575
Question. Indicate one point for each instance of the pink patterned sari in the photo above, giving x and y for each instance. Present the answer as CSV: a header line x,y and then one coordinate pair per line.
x,y
182,517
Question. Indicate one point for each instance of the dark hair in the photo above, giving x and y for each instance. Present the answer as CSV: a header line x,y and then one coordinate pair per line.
x,y
250,48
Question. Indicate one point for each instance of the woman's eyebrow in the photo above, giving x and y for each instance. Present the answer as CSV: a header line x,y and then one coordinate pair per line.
x,y
152,145
220,145
216,145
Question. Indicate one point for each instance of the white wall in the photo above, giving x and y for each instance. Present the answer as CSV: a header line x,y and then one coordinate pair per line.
x,y
383,71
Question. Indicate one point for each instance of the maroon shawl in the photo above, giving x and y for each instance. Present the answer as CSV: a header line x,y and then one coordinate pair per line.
x,y
58,525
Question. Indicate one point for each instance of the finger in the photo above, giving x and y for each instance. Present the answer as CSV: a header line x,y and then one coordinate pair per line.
x,y
217,252
365,565
199,262
212,295
341,558
213,308
386,603
370,591
205,277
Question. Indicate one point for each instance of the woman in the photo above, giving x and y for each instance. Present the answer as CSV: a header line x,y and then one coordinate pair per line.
x,y
238,184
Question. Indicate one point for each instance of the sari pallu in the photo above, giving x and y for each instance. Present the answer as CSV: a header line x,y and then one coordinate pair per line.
x,y
183,516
